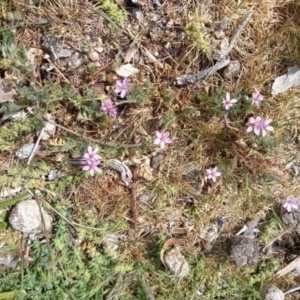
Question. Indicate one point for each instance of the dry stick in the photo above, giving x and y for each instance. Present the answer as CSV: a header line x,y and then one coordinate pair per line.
x,y
290,267
292,290
88,138
36,145
190,78
133,196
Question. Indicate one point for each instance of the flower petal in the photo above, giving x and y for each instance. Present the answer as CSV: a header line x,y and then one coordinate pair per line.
x,y
250,128
158,134
157,141
86,168
162,144
168,141
257,130
166,134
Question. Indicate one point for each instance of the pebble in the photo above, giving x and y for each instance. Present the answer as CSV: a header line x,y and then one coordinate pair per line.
x,y
94,56
156,160
26,217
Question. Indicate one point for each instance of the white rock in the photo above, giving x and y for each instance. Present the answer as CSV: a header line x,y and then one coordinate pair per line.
x,y
287,81
63,53
49,130
25,151
176,262
126,70
94,56
273,293
26,217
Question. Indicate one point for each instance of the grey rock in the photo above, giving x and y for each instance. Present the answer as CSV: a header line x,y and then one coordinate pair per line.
x,y
8,260
244,251
181,36
143,198
138,14
25,151
287,81
76,60
26,217
232,69
291,219
64,53
156,160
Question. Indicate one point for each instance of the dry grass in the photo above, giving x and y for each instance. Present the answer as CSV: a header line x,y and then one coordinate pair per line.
x,y
176,201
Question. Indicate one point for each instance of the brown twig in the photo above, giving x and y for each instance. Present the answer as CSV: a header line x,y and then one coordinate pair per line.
x,y
94,74
133,196
89,138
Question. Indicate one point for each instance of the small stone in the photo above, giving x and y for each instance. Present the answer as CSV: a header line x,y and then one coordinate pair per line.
x,y
170,24
287,81
99,49
76,60
244,251
110,242
49,130
25,151
181,36
7,95
53,175
273,293
26,217
8,260
291,219
219,48
210,233
94,56
138,14
64,53
156,160
232,69
143,198
176,262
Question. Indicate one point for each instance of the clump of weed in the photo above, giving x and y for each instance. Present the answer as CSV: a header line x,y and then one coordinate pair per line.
x,y
113,11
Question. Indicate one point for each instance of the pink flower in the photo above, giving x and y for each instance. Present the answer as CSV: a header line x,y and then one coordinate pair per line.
x,y
162,138
228,102
257,98
123,87
213,174
108,106
92,161
291,203
260,126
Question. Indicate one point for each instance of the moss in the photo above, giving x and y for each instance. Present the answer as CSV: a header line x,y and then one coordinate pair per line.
x,y
113,11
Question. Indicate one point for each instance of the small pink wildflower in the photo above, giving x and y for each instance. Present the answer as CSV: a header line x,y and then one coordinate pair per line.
x,y
291,203
123,87
260,126
213,174
108,106
257,98
92,160
228,102
162,138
